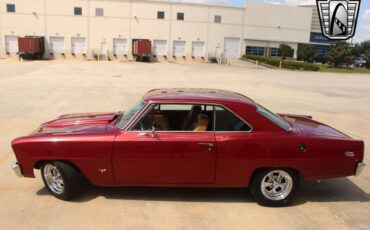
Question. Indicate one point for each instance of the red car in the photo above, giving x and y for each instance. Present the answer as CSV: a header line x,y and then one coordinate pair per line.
x,y
188,138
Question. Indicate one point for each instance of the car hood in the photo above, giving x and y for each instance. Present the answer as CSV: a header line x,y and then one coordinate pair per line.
x,y
77,123
307,126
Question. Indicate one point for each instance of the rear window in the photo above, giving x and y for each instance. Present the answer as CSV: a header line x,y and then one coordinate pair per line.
x,y
274,118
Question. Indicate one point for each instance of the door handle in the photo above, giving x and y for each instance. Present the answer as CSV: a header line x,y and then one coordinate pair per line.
x,y
209,145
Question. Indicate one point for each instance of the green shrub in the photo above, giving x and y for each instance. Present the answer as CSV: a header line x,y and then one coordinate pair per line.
x,y
285,64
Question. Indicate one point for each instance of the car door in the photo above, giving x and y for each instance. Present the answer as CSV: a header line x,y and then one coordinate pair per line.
x,y
167,156
236,148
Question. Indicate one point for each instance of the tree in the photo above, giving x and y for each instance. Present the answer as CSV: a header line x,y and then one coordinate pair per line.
x,y
367,57
339,53
286,51
306,52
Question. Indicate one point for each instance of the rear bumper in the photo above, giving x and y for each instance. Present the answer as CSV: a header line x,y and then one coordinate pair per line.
x,y
360,168
17,169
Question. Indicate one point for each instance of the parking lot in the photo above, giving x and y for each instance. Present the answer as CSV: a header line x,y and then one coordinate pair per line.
x,y
34,92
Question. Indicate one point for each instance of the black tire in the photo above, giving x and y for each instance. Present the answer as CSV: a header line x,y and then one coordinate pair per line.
x,y
274,197
68,174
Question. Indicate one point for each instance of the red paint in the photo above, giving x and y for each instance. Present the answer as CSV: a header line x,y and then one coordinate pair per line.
x,y
93,141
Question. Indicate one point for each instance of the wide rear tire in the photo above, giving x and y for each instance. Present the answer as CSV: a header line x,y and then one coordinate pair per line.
x,y
275,187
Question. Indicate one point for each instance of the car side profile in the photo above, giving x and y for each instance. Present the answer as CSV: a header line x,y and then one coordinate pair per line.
x,y
188,138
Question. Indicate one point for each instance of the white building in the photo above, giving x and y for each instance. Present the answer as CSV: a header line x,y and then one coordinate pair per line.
x,y
84,28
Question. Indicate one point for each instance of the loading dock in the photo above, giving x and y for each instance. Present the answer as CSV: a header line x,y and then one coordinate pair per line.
x,y
198,49
179,48
119,46
78,45
57,45
11,44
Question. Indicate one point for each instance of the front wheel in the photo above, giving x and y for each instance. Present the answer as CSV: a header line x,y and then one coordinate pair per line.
x,y
61,179
274,187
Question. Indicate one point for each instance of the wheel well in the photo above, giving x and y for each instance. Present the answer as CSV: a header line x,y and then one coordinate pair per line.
x,y
264,168
39,164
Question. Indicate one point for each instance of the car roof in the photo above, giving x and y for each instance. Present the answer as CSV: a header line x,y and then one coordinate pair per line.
x,y
197,94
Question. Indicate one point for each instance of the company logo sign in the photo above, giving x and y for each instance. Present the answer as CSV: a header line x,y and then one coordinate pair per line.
x,y
338,18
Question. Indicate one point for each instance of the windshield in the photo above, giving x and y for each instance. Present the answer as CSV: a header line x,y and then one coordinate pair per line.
x,y
130,114
274,118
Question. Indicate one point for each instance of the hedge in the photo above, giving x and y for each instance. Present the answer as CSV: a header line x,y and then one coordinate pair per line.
x,y
285,64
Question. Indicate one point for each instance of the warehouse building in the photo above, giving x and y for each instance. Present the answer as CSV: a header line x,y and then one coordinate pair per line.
x,y
106,28
321,43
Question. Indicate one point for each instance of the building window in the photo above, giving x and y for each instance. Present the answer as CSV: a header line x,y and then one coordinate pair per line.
x,y
255,50
218,19
10,8
78,11
180,16
160,15
99,12
275,52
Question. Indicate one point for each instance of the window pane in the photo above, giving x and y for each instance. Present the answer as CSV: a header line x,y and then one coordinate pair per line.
x,y
180,16
228,122
177,117
160,14
217,19
10,8
274,118
129,114
255,50
77,11
99,12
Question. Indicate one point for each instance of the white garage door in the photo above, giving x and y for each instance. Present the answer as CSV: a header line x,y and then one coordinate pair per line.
x,y
179,48
231,49
119,46
78,45
160,47
11,44
57,45
198,49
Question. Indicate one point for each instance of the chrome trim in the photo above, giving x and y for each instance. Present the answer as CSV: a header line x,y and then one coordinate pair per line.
x,y
142,113
17,169
360,168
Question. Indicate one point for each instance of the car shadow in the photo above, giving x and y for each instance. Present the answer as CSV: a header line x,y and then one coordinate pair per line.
x,y
332,190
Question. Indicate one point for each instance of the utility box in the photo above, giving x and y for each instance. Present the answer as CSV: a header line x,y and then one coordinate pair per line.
x,y
31,47
142,49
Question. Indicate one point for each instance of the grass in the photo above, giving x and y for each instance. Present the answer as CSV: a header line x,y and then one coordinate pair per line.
x,y
332,69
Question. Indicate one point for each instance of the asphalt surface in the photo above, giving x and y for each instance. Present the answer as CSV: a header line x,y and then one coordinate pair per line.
x,y
34,92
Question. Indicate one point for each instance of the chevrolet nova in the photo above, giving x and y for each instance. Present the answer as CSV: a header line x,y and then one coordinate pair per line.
x,y
188,138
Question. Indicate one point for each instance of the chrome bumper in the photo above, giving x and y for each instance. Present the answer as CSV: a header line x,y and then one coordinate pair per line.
x,y
17,169
360,167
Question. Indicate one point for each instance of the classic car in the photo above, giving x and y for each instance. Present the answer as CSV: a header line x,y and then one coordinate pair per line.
x,y
188,138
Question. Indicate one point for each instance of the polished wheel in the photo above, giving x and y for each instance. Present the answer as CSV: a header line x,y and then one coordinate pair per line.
x,y
53,179
62,179
276,185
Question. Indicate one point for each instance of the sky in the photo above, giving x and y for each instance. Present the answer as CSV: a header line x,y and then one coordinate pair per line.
x,y
363,24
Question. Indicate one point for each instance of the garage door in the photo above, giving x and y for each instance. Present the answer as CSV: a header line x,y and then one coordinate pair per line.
x,y
179,48
198,49
78,45
119,46
160,47
57,45
11,44
231,48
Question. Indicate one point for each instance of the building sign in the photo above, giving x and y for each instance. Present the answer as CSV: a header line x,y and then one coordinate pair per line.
x,y
338,18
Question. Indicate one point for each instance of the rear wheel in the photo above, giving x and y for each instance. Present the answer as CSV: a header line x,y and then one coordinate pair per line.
x,y
61,179
274,187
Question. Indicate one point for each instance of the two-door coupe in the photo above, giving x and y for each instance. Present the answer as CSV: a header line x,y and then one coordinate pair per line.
x,y
188,138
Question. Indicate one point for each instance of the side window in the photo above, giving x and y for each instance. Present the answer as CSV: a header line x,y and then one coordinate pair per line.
x,y
227,121
177,117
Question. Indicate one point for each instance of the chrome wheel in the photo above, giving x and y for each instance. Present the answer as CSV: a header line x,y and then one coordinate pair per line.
x,y
53,178
276,185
